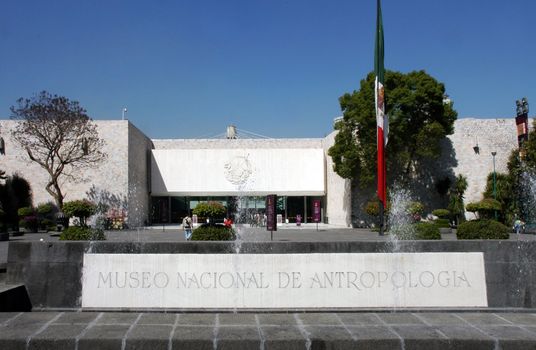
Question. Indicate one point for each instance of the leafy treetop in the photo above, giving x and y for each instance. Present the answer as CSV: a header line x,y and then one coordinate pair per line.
x,y
419,118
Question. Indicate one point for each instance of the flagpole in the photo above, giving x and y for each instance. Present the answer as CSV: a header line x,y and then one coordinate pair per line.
x,y
381,116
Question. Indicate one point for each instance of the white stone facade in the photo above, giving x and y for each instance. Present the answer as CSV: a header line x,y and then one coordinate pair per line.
x,y
135,164
491,135
121,174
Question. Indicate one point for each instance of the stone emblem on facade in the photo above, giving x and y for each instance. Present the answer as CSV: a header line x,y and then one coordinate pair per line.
x,y
238,170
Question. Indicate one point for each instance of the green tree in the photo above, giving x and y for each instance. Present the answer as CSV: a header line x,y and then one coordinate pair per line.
x,y
529,151
513,188
15,193
419,119
58,135
82,209
456,197
211,210
505,195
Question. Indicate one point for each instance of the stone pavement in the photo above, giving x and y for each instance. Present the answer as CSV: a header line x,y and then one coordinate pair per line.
x,y
377,331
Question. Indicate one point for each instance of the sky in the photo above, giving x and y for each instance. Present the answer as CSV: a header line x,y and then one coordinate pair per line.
x,y
189,68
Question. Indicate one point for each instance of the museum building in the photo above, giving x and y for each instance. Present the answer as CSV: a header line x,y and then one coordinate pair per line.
x,y
158,181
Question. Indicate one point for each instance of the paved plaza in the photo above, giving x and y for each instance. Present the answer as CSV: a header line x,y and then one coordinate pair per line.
x,y
378,331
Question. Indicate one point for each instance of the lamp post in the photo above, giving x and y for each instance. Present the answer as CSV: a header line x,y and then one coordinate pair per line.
x,y
124,113
493,154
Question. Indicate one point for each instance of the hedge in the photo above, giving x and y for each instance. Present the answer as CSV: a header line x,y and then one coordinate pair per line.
x,y
443,223
425,230
213,232
77,233
482,229
441,213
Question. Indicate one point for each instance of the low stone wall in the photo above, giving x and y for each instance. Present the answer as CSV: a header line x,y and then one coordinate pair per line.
x,y
52,271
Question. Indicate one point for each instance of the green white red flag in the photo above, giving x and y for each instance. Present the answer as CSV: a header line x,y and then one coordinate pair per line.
x,y
381,116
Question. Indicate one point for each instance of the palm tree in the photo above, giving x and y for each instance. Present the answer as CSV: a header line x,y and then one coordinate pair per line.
x,y
456,196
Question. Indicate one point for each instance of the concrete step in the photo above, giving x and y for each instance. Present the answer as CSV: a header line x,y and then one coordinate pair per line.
x,y
404,330
3,273
14,297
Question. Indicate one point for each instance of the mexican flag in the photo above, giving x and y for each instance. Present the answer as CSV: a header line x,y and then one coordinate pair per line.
x,y
381,117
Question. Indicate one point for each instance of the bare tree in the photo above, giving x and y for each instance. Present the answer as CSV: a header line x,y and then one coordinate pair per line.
x,y
58,135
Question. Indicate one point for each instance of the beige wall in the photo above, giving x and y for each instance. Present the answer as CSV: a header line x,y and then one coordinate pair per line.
x,y
492,135
110,174
339,191
125,172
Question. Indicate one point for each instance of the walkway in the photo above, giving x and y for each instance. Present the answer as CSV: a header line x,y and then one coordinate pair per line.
x,y
437,331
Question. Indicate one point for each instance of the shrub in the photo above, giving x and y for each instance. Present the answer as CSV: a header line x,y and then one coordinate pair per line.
x,y
472,207
25,211
427,231
415,208
442,223
31,223
28,219
486,208
482,229
211,232
372,208
210,210
441,213
115,220
47,225
46,209
15,193
47,216
77,233
82,209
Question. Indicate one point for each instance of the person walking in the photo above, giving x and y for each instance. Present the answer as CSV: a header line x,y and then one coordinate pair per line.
x,y
517,225
187,227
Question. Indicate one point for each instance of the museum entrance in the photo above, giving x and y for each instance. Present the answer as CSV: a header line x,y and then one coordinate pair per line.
x,y
246,209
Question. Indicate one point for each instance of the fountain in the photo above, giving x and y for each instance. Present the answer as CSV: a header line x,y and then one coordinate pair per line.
x,y
252,273
399,222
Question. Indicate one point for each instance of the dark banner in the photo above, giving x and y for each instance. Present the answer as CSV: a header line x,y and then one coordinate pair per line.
x,y
316,210
271,218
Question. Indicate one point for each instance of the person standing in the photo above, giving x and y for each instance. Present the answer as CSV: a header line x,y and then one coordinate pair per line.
x,y
517,225
187,227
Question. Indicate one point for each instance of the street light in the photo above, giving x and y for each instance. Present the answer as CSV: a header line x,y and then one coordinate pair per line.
x,y
124,112
493,154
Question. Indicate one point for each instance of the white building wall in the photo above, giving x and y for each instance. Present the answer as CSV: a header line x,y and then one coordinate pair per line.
x,y
139,156
247,171
110,175
339,190
491,135
282,166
